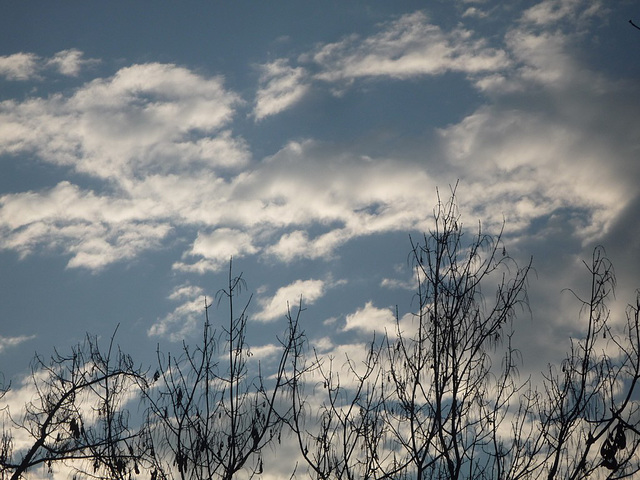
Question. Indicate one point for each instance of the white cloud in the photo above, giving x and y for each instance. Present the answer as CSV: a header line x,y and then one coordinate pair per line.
x,y
158,137
549,12
264,351
94,230
288,296
29,66
371,319
8,342
295,245
19,66
397,284
186,291
291,246
136,131
70,62
474,12
151,118
184,318
217,248
302,186
408,47
15,401
348,195
556,137
281,86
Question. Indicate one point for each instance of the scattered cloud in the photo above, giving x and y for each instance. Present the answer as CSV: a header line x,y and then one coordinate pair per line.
x,y
216,249
276,306
94,230
474,12
538,148
264,351
15,401
29,66
19,66
549,12
135,131
183,320
281,86
160,148
158,136
146,119
408,47
9,342
397,284
70,62
370,319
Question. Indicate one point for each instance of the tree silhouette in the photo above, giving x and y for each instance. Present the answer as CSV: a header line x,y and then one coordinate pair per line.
x,y
427,401
211,413
439,397
587,407
78,416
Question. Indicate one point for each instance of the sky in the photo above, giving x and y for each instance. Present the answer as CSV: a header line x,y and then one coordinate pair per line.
x,y
144,144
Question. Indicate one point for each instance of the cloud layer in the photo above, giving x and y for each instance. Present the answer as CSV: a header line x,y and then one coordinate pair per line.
x,y
153,153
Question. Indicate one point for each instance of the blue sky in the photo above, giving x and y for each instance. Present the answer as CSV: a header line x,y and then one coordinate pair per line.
x,y
143,144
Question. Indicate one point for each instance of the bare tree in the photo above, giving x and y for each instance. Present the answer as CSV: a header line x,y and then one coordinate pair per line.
x,y
440,397
589,418
211,411
447,397
341,437
78,416
427,400
437,396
